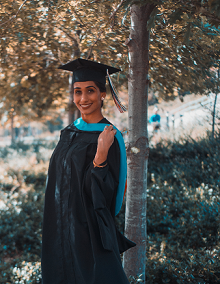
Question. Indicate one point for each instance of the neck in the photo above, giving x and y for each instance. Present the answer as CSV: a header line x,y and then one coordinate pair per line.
x,y
92,118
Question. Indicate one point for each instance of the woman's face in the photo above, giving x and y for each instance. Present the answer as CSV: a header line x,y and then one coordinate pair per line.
x,y
88,98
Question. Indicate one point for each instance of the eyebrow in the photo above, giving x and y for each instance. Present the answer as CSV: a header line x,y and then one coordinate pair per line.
x,y
86,87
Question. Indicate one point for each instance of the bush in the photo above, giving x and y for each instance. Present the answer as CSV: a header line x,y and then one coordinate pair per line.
x,y
183,212
186,162
22,194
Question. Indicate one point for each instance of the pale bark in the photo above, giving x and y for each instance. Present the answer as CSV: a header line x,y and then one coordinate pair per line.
x,y
12,129
214,108
73,113
138,150
213,115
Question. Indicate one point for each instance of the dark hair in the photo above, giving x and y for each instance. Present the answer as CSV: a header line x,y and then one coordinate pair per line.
x,y
102,87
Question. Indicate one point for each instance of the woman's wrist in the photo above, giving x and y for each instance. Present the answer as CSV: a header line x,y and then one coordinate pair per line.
x,y
100,158
102,165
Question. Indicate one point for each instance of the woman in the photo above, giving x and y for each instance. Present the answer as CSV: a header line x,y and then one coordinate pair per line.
x,y
85,188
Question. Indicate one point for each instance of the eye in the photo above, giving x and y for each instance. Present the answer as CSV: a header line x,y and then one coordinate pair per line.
x,y
91,91
77,92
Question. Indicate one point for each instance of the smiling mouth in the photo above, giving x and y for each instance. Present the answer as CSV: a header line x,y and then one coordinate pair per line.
x,y
85,105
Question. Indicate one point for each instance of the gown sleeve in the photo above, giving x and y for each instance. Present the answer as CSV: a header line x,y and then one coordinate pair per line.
x,y
102,183
101,187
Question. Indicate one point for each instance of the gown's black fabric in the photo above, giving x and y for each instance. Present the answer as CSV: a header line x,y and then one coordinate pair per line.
x,y
80,243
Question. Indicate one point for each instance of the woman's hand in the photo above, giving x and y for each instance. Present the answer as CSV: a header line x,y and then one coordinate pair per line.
x,y
105,140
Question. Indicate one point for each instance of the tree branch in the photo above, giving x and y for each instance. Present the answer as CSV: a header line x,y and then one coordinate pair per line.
x,y
48,9
14,16
110,18
116,10
91,48
67,34
76,15
94,2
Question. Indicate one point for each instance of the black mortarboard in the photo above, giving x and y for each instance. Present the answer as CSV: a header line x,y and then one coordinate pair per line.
x,y
86,70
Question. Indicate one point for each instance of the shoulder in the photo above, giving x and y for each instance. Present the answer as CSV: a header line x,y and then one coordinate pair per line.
x,y
158,117
67,133
105,121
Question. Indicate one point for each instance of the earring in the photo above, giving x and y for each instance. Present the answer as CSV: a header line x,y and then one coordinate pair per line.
x,y
102,98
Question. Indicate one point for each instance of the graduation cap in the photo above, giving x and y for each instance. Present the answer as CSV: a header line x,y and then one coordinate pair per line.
x,y
86,70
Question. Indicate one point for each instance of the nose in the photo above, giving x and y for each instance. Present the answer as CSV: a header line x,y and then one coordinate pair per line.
x,y
84,97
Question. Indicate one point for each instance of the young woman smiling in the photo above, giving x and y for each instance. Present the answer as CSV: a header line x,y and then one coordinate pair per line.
x,y
88,99
85,189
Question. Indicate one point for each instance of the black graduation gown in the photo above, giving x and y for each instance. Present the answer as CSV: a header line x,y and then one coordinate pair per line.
x,y
80,243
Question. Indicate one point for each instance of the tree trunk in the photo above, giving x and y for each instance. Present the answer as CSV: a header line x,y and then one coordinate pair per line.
x,y
12,129
73,112
70,104
138,150
213,115
214,108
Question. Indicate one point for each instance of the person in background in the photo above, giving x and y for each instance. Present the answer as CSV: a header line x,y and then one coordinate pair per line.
x,y
155,120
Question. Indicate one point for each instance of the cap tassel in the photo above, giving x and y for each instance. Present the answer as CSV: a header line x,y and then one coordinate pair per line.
x,y
114,93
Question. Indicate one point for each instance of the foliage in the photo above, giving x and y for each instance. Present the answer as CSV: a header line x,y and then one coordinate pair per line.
x,y
207,8
173,162
183,235
24,149
38,36
47,35
184,45
183,212
20,223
